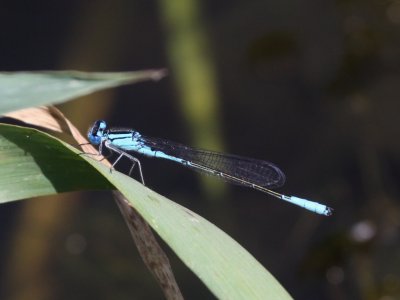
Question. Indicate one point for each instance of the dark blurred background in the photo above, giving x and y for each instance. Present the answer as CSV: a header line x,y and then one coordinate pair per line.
x,y
310,85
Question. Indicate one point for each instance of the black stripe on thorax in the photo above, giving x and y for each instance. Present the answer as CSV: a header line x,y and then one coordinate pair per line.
x,y
125,132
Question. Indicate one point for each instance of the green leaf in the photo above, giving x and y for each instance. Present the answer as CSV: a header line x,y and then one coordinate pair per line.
x,y
28,89
33,163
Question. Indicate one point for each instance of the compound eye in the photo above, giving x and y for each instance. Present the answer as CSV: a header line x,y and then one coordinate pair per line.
x,y
102,124
96,132
99,127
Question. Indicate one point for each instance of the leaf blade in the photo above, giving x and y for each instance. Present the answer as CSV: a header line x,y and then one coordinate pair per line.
x,y
26,169
226,268
20,90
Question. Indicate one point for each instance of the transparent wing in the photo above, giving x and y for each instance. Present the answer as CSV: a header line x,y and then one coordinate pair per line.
x,y
240,170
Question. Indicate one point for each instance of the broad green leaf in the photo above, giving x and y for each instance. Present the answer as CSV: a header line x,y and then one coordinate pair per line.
x,y
33,163
28,89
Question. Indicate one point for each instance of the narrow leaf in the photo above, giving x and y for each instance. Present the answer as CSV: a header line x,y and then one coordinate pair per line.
x,y
43,165
27,89
33,164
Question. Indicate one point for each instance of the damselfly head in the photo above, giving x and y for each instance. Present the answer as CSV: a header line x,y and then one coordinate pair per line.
x,y
96,132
